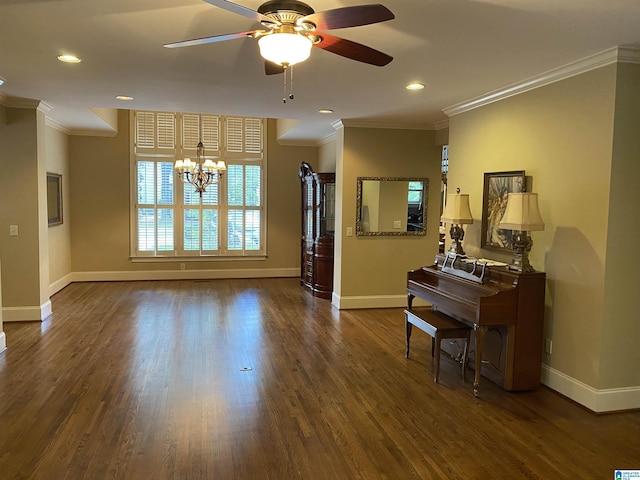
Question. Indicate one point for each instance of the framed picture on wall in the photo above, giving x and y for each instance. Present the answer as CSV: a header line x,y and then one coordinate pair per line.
x,y
54,198
497,187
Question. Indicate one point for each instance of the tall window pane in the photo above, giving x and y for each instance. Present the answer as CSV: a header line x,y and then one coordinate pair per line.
x,y
165,229
165,183
210,197
235,230
210,229
145,179
146,230
235,185
192,229
252,187
252,230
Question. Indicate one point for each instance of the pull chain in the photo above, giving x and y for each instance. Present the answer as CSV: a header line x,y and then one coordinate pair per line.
x,y
290,70
284,86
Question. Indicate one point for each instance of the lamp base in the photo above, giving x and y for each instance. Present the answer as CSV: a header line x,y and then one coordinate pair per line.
x,y
457,235
522,244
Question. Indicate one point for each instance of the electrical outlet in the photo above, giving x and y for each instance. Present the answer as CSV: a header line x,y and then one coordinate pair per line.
x,y
349,231
397,223
548,346
13,230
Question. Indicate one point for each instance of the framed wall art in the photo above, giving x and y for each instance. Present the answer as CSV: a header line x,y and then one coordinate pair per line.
x,y
497,187
54,198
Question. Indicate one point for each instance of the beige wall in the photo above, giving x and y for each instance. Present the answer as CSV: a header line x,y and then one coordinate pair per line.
x,y
327,156
23,186
101,208
371,271
57,145
620,364
561,135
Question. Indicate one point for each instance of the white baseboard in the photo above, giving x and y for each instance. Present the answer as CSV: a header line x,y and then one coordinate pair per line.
x,y
58,285
373,301
121,276
27,313
3,342
599,401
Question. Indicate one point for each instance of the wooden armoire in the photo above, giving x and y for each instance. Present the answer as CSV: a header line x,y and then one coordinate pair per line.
x,y
318,225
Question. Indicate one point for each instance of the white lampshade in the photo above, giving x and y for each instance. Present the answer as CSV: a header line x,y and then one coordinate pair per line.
x,y
522,213
285,48
457,210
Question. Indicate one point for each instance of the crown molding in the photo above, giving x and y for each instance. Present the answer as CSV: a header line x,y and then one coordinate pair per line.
x,y
18,102
50,122
621,54
298,142
327,139
441,125
391,125
93,133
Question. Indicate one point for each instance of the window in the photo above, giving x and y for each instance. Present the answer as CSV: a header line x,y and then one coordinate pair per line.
x,y
416,191
169,219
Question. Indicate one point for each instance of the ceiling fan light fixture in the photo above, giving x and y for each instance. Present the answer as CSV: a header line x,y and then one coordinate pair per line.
x,y
285,49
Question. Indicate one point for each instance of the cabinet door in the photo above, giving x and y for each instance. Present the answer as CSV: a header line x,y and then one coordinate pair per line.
x,y
326,209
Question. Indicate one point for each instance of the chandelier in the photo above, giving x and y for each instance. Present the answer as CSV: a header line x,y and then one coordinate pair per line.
x,y
200,174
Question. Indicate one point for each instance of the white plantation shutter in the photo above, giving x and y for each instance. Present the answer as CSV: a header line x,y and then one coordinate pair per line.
x,y
190,130
145,130
201,128
253,136
211,134
155,132
170,218
166,130
155,224
244,137
234,135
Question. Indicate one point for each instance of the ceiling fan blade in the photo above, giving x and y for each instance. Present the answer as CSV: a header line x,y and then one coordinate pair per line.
x,y
271,68
352,50
349,17
213,39
240,10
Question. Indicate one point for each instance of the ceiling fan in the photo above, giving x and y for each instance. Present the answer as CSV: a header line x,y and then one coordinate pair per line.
x,y
291,28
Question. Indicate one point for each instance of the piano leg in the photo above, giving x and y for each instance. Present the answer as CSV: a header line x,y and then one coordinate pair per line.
x,y
480,331
408,327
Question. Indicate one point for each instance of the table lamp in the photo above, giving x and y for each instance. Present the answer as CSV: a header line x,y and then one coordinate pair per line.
x,y
522,216
457,213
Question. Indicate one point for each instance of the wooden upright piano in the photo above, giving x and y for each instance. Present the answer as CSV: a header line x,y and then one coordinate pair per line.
x,y
505,309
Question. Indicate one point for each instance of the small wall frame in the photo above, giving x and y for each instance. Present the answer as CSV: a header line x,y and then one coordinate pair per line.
x,y
54,199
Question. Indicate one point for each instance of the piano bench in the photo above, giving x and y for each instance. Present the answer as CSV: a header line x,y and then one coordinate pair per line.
x,y
438,326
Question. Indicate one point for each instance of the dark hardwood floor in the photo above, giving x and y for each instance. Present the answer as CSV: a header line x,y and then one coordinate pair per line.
x,y
257,379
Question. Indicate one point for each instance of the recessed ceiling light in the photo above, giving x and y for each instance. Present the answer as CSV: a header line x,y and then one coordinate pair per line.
x,y
69,59
123,97
325,110
415,86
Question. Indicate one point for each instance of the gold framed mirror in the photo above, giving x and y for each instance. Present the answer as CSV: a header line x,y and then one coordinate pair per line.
x,y
395,206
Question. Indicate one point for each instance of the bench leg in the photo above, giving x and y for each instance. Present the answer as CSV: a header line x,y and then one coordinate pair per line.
x,y
408,329
436,358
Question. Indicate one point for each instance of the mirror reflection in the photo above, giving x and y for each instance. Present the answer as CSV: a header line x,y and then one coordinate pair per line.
x,y
391,206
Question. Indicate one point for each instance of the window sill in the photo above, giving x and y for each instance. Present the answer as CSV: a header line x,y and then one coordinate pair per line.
x,y
212,258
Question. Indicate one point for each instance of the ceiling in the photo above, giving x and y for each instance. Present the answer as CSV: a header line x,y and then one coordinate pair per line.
x,y
459,49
